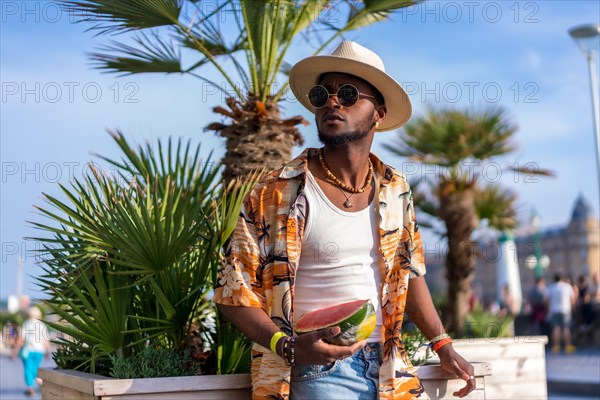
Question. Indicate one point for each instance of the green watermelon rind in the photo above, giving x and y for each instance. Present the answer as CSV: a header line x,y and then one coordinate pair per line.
x,y
355,328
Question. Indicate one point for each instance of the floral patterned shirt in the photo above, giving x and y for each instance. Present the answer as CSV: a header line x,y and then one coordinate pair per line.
x,y
264,252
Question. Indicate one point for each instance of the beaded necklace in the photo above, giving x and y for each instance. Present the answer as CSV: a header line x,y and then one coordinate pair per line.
x,y
342,185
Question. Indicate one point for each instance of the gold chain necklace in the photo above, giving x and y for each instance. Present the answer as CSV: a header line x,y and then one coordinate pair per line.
x,y
341,184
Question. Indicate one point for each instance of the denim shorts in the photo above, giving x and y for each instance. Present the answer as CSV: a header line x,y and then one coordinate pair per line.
x,y
354,378
561,319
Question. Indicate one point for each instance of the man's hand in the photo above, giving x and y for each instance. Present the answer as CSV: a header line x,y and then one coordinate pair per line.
x,y
452,362
311,349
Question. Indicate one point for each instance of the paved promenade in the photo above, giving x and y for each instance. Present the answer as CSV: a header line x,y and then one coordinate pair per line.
x,y
12,383
570,377
577,373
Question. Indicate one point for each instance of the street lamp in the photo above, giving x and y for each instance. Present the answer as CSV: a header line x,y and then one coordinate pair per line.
x,y
588,39
537,261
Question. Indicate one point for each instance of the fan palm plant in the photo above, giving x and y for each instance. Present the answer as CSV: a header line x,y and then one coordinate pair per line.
x,y
245,41
130,259
461,144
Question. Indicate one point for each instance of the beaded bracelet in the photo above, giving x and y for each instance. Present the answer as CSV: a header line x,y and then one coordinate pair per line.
x,y
288,351
292,346
284,350
438,338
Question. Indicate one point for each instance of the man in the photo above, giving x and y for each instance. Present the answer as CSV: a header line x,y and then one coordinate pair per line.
x,y
334,225
561,299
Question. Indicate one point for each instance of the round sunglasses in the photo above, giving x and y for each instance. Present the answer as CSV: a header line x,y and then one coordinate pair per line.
x,y
347,95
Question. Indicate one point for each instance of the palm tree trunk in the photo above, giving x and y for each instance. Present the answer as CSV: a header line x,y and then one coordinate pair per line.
x,y
458,213
256,137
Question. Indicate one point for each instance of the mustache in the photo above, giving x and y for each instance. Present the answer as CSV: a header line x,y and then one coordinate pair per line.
x,y
333,114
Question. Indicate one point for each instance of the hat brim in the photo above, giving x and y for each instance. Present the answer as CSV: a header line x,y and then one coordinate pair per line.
x,y
304,75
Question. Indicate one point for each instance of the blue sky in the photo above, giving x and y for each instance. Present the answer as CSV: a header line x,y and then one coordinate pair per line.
x,y
55,108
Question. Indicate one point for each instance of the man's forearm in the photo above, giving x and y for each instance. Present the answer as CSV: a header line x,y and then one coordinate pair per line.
x,y
252,321
421,310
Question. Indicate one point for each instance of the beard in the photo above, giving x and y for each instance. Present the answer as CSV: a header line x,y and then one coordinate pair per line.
x,y
339,140
361,131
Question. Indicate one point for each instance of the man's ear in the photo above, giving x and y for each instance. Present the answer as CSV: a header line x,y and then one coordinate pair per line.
x,y
380,113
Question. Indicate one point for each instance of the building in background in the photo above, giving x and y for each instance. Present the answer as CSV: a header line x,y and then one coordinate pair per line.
x,y
573,249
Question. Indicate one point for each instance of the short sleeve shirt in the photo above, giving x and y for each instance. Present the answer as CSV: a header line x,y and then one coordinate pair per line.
x,y
263,255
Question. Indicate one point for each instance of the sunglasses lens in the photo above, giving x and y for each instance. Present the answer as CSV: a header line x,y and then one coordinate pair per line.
x,y
318,96
347,95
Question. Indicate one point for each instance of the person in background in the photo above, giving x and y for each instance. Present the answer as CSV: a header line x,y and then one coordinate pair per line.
x,y
575,288
508,303
584,302
595,289
32,347
536,300
594,293
9,336
561,299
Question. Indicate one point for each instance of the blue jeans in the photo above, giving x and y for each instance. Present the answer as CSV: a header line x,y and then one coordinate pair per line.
x,y
354,378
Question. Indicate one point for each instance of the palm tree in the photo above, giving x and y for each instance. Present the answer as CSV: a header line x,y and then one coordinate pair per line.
x,y
253,42
461,144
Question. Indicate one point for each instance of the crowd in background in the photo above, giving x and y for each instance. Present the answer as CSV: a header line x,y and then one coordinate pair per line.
x,y
566,311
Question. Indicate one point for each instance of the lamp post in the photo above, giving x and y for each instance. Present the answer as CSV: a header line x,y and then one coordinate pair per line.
x,y
537,261
588,39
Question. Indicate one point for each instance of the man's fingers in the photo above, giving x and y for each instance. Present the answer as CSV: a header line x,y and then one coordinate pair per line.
x,y
348,351
469,387
357,346
462,374
325,333
465,377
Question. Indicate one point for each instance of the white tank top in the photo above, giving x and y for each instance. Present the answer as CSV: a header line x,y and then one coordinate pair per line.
x,y
340,259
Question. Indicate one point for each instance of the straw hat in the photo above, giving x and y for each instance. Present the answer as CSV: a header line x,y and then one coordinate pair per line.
x,y
352,58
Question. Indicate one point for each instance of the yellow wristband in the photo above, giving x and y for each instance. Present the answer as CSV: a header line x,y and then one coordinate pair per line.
x,y
274,339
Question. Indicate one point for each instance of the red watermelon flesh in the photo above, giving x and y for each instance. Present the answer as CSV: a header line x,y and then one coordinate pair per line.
x,y
356,320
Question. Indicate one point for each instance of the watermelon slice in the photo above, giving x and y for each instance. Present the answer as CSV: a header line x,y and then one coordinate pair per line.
x,y
356,320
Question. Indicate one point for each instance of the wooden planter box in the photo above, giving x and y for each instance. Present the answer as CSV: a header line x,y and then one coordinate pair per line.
x,y
73,385
518,363
64,384
440,384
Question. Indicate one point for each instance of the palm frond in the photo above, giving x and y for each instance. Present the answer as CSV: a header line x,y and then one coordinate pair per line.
x,y
367,12
233,350
94,306
152,54
114,16
497,205
532,169
449,137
